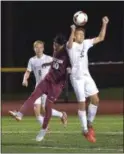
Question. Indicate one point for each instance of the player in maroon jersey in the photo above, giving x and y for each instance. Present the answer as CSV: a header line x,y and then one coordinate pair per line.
x,y
53,83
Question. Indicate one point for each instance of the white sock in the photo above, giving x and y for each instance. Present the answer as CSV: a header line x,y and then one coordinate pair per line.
x,y
83,119
56,113
43,132
92,109
19,114
40,119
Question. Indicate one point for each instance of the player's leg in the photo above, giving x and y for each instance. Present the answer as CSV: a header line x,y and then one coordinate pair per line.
x,y
17,115
91,91
53,93
61,115
29,103
38,109
47,117
79,91
92,108
78,86
55,113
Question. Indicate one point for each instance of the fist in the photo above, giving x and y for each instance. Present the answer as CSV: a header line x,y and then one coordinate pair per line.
x,y
105,20
73,27
25,83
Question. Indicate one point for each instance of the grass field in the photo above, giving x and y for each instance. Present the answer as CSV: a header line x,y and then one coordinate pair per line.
x,y
19,137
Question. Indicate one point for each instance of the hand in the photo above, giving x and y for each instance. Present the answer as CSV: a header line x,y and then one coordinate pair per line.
x,y
68,70
25,83
73,27
44,65
105,20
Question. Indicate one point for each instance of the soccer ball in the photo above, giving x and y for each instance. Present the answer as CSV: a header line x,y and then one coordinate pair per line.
x,y
80,18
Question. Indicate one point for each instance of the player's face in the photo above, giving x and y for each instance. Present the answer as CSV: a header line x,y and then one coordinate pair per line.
x,y
56,46
79,36
39,48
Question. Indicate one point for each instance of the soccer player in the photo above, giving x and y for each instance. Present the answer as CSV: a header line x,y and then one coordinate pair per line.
x,y
81,80
53,83
35,65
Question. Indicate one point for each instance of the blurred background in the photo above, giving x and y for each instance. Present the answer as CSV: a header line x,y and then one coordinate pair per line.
x,y
24,22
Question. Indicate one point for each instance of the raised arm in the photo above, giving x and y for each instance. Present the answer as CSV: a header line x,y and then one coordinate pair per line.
x,y
102,33
71,38
25,78
46,64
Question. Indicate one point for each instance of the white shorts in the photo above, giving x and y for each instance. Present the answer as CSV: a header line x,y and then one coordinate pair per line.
x,y
84,87
41,100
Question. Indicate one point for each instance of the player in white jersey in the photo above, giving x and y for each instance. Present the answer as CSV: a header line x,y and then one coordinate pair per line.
x,y
81,80
35,65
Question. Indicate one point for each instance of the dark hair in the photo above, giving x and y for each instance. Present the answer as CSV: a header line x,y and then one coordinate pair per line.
x,y
60,39
80,29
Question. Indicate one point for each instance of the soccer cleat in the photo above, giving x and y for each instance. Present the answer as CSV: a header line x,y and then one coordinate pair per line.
x,y
91,130
40,135
15,115
64,119
89,137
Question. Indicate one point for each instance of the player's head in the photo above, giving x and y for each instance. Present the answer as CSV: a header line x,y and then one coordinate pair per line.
x,y
79,35
59,42
38,47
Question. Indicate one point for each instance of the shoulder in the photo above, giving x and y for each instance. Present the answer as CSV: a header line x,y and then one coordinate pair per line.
x,y
32,59
74,45
48,57
88,41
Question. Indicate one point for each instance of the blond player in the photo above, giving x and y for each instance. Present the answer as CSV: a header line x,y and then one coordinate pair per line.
x,y
35,65
81,80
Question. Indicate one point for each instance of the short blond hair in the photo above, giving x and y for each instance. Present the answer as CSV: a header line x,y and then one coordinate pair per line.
x,y
38,42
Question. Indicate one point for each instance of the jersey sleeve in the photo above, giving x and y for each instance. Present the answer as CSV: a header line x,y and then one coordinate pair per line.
x,y
29,67
68,48
50,59
88,43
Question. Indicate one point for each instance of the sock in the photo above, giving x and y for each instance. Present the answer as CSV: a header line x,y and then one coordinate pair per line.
x,y
83,120
19,114
56,113
40,119
92,109
48,114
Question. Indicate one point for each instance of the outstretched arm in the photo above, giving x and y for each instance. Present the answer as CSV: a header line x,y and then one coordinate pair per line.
x,y
102,33
25,78
71,38
46,64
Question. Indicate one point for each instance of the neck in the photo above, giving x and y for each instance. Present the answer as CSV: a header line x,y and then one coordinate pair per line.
x,y
60,48
39,56
78,42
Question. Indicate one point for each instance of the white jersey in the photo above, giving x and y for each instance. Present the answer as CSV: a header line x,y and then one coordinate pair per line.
x,y
35,66
78,55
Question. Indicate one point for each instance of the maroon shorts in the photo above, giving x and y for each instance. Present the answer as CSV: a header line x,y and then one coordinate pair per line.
x,y
52,90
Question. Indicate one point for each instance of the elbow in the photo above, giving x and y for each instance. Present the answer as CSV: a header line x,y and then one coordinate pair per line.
x,y
101,39
69,46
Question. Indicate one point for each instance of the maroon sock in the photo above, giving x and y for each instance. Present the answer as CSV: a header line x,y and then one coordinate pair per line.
x,y
48,114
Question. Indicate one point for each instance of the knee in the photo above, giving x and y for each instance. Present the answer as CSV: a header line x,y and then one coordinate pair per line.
x,y
82,106
37,110
95,100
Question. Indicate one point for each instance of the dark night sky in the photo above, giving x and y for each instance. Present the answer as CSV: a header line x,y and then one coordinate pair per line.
x,y
25,22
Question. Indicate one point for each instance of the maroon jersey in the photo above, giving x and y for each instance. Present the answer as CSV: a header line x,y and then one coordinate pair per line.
x,y
57,73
